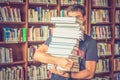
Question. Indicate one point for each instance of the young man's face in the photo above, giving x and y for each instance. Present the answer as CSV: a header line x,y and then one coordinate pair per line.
x,y
76,14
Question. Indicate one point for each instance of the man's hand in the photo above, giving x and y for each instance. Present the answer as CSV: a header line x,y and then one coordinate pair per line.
x,y
59,72
65,63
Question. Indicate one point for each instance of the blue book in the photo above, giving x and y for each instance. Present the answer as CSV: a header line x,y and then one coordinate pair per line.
x,y
6,34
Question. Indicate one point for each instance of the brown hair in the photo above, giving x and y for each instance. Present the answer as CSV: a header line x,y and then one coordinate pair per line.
x,y
76,7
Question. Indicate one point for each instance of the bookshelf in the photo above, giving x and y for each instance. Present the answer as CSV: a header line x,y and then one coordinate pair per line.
x,y
28,17
103,23
13,27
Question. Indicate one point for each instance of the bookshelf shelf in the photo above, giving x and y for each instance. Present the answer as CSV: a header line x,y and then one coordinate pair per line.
x,y
117,39
101,23
12,3
117,23
12,23
7,43
40,23
105,56
13,63
36,42
101,7
103,40
117,55
101,73
34,63
66,5
42,4
117,71
117,8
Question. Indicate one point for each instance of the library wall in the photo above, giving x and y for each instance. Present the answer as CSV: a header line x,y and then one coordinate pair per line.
x,y
25,25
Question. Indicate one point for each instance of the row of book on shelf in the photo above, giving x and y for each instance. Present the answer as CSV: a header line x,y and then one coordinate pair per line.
x,y
117,48
6,54
39,14
99,15
72,2
14,34
11,0
38,33
103,65
43,1
100,2
36,73
117,14
49,1
117,31
42,32
104,49
116,76
118,3
10,14
20,34
117,64
12,73
101,32
17,73
101,78
31,51
104,3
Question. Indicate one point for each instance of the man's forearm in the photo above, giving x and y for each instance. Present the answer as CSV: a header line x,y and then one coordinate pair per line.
x,y
84,74
45,58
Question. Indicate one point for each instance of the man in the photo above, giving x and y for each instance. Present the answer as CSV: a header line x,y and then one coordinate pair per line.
x,y
87,48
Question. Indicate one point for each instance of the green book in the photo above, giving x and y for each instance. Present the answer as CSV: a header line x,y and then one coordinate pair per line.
x,y
24,32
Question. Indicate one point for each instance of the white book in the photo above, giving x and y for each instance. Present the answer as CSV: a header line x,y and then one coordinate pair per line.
x,y
59,55
66,35
67,25
63,43
64,40
66,30
61,46
3,14
59,51
72,19
62,21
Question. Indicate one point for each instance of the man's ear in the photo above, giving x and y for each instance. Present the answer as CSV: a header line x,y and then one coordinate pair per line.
x,y
84,18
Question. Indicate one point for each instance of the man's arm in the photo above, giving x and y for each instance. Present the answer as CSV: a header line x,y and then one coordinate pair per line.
x,y
41,56
87,73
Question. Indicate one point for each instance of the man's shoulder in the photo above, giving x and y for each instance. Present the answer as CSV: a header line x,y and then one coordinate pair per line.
x,y
47,42
87,37
87,40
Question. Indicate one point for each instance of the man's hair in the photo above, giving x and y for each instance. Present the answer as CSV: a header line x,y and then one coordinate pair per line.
x,y
76,7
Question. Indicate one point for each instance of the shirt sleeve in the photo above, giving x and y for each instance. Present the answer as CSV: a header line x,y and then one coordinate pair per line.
x,y
91,53
47,42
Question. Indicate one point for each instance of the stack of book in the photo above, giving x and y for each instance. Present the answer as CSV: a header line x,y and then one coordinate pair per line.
x,y
66,36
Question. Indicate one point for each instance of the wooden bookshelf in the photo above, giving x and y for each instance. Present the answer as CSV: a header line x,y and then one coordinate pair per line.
x,y
20,49
13,55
